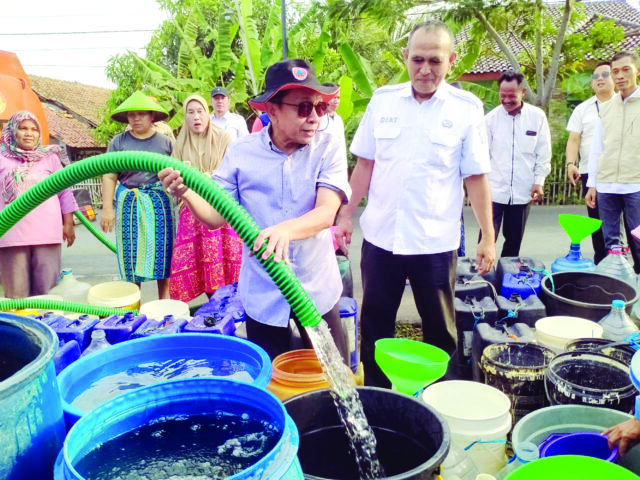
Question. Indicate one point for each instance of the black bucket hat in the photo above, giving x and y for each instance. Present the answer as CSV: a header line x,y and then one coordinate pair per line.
x,y
288,75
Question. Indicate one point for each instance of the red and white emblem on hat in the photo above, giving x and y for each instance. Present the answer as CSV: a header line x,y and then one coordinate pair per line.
x,y
299,73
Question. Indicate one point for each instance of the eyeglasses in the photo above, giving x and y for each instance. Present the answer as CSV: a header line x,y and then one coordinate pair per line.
x,y
305,108
596,76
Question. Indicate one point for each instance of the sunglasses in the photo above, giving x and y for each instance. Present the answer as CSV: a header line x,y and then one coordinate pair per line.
x,y
596,76
305,108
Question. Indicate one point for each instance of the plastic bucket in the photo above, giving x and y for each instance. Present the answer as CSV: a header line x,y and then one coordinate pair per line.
x,y
413,440
296,372
115,294
537,426
590,379
590,444
556,332
158,309
182,398
624,353
571,467
31,421
585,294
517,369
226,355
479,417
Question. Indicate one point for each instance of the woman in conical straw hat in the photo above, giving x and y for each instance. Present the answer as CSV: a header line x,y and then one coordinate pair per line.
x,y
140,210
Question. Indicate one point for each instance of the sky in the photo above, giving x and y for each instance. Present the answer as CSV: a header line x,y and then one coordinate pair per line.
x,y
80,57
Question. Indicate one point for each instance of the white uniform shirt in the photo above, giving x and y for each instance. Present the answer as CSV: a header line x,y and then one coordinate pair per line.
x,y
520,149
333,125
597,148
583,121
232,123
421,153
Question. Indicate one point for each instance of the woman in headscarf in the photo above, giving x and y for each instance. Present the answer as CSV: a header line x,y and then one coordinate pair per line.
x,y
144,214
30,252
203,260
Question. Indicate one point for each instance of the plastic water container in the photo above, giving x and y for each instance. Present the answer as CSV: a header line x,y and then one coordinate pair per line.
x,y
412,438
166,326
210,324
349,318
98,342
523,283
617,325
472,286
71,289
517,369
478,416
157,309
573,262
467,266
525,453
296,372
616,265
522,311
514,265
227,355
458,464
556,332
73,329
612,349
590,444
119,328
31,422
486,334
590,379
344,265
115,294
67,353
182,398
468,313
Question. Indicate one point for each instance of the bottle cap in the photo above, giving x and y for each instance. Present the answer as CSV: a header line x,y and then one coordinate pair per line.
x,y
618,304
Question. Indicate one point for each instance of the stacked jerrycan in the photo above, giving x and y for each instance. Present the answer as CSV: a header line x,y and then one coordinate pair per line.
x,y
70,288
577,228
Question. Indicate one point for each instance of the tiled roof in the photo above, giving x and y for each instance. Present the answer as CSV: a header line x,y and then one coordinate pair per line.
x,y
625,16
65,128
84,100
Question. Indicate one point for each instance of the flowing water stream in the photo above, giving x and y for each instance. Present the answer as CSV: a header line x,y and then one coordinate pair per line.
x,y
345,396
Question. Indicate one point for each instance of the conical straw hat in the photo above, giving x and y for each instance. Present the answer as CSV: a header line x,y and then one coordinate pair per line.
x,y
138,102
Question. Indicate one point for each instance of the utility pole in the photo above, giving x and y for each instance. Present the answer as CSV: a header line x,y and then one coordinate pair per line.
x,y
283,21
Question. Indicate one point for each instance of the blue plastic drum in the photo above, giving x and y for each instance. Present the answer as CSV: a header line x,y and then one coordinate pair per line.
x,y
184,398
155,359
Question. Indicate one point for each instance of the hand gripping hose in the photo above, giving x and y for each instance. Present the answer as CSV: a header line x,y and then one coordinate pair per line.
x,y
106,242
203,185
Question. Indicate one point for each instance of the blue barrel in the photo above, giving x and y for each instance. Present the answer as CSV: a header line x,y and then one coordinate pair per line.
x,y
31,421
230,353
196,396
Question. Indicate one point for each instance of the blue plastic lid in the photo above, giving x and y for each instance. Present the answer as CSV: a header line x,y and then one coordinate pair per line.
x,y
618,304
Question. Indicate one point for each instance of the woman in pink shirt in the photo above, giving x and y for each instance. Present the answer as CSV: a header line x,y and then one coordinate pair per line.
x,y
30,252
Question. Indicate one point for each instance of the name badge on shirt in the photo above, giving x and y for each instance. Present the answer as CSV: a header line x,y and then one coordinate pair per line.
x,y
531,133
447,123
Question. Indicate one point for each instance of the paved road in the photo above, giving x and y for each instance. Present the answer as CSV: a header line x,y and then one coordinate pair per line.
x,y
544,240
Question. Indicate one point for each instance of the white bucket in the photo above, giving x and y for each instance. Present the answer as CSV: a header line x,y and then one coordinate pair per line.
x,y
157,309
556,332
115,294
475,412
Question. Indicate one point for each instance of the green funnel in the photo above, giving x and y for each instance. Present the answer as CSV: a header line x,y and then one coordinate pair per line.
x,y
578,227
410,365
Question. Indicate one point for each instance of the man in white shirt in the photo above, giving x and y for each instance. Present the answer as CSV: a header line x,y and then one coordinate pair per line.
x,y
580,127
520,150
232,123
332,122
614,160
415,145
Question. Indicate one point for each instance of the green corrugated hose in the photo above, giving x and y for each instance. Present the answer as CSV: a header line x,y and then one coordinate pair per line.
x,y
45,304
203,185
85,221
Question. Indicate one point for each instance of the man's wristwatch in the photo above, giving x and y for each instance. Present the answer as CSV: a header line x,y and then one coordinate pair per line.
x,y
571,163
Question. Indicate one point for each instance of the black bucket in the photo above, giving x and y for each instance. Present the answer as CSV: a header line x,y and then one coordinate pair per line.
x,y
624,353
585,294
585,378
517,369
413,440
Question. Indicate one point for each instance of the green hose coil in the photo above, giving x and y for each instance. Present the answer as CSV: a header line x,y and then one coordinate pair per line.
x,y
202,184
46,304
105,241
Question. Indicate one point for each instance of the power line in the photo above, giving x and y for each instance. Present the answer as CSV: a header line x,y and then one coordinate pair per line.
x,y
72,33
63,66
72,48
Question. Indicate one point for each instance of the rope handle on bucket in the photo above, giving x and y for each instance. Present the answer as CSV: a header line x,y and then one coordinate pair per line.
x,y
504,440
